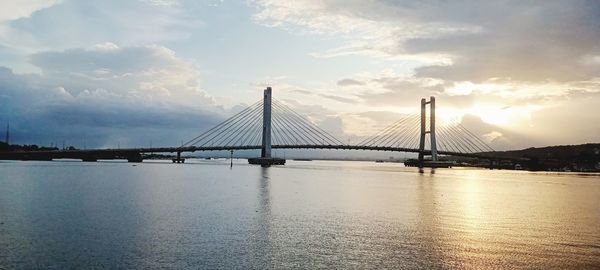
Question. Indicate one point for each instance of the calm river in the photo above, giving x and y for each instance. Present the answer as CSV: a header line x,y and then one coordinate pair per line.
x,y
319,214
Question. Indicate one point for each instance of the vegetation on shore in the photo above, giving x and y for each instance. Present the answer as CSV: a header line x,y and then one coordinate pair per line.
x,y
582,157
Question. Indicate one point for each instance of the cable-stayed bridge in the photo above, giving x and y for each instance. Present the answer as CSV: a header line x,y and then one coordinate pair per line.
x,y
271,124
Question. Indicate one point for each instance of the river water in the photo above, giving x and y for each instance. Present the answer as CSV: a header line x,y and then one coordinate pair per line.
x,y
319,214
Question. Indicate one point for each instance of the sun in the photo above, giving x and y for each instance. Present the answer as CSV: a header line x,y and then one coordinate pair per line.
x,y
491,115
448,116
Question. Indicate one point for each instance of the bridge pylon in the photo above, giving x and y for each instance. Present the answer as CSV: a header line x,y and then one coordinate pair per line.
x,y
265,159
424,130
266,127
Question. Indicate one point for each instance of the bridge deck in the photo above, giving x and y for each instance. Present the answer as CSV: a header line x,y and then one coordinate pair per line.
x,y
132,153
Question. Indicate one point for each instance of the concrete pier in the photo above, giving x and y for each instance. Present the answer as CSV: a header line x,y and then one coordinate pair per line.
x,y
427,164
178,159
266,162
137,157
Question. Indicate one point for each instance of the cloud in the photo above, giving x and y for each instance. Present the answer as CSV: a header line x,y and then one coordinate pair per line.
x,y
389,89
98,118
301,91
339,98
15,9
507,110
496,137
151,73
574,119
382,117
466,40
319,115
93,22
105,94
374,28
163,2
349,82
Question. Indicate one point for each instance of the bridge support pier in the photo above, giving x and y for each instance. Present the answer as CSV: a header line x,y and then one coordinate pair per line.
x,y
137,157
178,159
424,131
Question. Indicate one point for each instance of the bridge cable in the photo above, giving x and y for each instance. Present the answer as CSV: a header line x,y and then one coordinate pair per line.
x,y
286,132
222,130
231,130
296,136
372,137
409,133
302,125
383,138
456,138
477,138
472,148
447,144
468,140
308,126
244,128
397,136
414,141
221,127
452,139
297,127
312,126
310,136
221,124
294,130
248,134
414,135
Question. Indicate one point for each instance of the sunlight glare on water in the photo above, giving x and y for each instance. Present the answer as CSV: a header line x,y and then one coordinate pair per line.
x,y
319,214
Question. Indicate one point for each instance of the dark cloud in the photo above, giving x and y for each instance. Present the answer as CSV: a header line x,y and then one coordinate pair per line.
x,y
520,40
107,93
339,98
397,91
328,96
104,60
303,92
152,72
349,82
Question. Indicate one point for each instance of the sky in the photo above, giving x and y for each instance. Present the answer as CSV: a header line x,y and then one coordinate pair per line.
x,y
133,73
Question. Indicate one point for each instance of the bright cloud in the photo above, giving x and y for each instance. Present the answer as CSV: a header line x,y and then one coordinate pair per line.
x,y
15,9
152,73
503,61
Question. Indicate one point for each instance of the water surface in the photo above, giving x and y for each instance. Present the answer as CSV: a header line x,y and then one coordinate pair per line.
x,y
319,214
